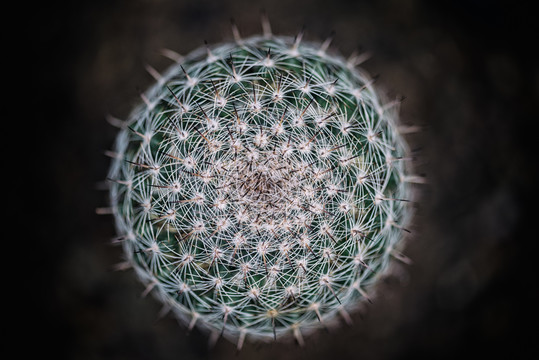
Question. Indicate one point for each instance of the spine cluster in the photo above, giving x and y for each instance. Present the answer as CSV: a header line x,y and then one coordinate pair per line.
x,y
261,188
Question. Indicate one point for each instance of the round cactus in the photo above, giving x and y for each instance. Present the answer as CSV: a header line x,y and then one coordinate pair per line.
x,y
260,188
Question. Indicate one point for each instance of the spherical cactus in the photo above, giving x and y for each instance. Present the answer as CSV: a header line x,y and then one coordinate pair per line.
x,y
261,189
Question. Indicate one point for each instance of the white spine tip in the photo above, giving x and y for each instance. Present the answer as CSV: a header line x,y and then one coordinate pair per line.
x,y
236,32
104,211
409,129
415,179
154,73
297,335
114,121
357,59
172,55
266,26
401,257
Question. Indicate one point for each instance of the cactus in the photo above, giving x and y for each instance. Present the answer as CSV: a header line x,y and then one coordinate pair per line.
x,y
260,189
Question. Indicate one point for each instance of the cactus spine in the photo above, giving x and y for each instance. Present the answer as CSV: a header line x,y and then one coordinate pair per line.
x,y
260,188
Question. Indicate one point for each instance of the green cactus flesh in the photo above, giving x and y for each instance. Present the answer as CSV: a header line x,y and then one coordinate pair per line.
x,y
259,190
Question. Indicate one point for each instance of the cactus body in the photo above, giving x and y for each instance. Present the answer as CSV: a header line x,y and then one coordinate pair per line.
x,y
260,189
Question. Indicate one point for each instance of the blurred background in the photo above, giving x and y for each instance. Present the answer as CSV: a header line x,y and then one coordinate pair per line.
x,y
470,77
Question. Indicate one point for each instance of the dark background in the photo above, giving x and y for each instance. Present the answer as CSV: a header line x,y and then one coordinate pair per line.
x,y
470,77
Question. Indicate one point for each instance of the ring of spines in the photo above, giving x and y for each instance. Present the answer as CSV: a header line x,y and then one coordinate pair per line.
x,y
260,189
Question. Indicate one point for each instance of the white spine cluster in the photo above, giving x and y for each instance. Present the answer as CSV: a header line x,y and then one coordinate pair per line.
x,y
260,188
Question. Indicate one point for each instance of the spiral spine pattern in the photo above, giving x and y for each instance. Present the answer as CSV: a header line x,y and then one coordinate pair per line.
x,y
261,188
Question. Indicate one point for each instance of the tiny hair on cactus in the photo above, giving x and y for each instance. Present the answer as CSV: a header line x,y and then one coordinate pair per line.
x,y
262,187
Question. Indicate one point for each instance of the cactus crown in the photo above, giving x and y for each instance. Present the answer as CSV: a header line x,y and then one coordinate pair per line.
x,y
259,189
